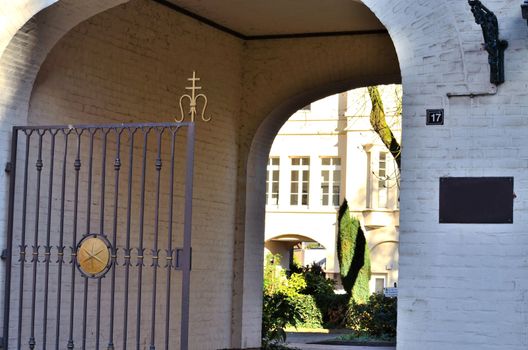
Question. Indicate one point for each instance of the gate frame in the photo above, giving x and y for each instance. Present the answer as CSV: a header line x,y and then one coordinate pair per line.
x,y
187,230
9,242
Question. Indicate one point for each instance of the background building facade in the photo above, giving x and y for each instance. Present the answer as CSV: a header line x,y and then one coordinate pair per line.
x,y
324,153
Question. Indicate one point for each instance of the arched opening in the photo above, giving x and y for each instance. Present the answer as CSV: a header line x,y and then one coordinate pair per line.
x,y
325,153
385,257
292,249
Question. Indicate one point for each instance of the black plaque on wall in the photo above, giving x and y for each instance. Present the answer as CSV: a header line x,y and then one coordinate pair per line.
x,y
434,117
476,200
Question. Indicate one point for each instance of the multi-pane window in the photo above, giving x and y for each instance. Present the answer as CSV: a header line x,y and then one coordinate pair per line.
x,y
330,181
272,181
300,180
382,180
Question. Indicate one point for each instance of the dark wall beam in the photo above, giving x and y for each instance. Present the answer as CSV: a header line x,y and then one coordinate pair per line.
x,y
242,36
201,19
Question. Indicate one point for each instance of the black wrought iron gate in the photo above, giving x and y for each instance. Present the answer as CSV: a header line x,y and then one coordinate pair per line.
x,y
96,216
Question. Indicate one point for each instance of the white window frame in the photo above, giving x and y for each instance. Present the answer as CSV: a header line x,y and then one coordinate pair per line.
x,y
383,182
270,169
369,185
335,165
372,282
304,165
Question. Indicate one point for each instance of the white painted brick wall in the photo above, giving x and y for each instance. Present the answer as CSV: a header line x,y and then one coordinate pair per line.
x,y
460,285
14,14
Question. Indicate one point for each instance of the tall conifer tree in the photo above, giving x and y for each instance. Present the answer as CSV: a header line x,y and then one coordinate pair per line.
x,y
353,255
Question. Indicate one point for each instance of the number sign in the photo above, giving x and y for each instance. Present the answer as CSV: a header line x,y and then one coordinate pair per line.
x,y
434,117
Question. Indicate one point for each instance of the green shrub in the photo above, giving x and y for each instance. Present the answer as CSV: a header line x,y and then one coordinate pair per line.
x,y
334,308
278,311
306,307
274,274
316,282
284,304
305,298
376,318
293,285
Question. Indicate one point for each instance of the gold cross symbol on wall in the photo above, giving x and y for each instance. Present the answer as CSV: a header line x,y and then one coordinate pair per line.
x,y
193,101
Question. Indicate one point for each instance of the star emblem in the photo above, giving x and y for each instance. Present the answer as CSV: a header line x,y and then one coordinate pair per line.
x,y
93,256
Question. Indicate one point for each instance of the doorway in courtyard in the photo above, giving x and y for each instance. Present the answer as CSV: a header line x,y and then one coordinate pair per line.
x,y
327,155
99,234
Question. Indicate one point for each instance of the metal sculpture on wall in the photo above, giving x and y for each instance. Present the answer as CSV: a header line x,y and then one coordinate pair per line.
x,y
193,101
495,47
524,9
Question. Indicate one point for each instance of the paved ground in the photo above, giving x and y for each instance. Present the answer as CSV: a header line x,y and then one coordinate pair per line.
x,y
337,347
302,340
302,337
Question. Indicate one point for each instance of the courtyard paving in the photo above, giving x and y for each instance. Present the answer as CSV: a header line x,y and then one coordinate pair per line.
x,y
337,347
304,341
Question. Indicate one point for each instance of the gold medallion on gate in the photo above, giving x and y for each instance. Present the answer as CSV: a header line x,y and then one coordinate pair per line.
x,y
93,256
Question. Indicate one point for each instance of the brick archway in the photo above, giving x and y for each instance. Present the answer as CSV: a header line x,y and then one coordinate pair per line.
x,y
405,22
298,74
29,46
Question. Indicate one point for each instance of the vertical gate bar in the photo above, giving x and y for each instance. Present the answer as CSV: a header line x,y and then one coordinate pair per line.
x,y
186,266
77,166
127,243
169,248
22,258
101,232
140,249
47,248
34,260
155,250
60,247
117,167
10,218
88,217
